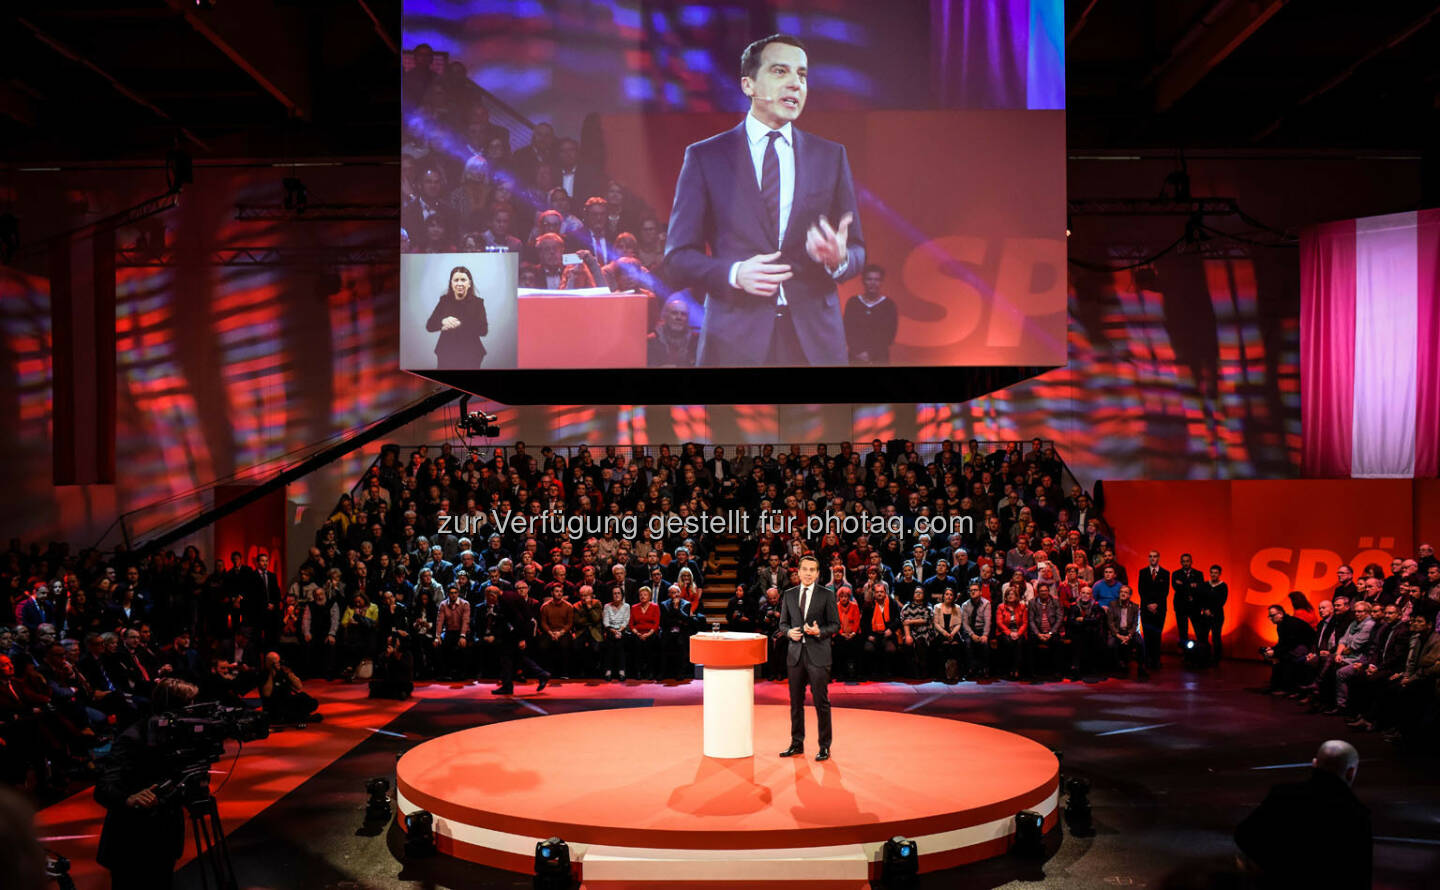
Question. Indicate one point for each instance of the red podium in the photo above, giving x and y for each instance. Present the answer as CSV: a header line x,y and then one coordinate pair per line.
x,y
729,661
570,329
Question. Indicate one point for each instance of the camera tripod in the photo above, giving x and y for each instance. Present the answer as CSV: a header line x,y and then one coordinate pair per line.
x,y
211,851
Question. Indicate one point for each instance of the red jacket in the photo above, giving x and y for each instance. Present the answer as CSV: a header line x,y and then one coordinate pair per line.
x,y
644,617
1011,617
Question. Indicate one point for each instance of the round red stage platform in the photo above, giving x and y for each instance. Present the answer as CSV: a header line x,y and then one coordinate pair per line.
x,y
631,793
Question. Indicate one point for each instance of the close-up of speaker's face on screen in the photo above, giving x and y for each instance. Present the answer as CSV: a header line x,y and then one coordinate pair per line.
x,y
630,185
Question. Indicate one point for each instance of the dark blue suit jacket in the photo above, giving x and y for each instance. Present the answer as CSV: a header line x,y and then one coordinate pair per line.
x,y
718,206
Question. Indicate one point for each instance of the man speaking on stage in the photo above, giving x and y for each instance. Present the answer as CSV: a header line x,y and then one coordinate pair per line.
x,y
776,208
809,616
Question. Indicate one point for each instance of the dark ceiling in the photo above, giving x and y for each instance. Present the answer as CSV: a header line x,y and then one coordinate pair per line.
x,y
1252,74
90,80
271,79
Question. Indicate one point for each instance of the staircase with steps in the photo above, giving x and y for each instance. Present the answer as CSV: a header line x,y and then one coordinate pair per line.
x,y
720,583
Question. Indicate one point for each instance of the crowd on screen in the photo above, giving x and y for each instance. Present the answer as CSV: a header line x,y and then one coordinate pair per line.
x,y
412,578
465,189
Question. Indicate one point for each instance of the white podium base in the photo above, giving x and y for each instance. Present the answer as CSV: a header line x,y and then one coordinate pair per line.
x,y
729,707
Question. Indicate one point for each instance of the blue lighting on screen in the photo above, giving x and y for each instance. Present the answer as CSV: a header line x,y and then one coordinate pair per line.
x,y
696,16
639,89
513,80
698,60
847,79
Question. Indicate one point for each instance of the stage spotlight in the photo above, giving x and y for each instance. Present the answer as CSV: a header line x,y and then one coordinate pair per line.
x,y
899,864
1029,835
377,808
1077,806
419,835
552,865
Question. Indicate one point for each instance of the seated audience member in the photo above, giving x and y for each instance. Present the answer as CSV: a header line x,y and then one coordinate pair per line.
x,y
470,201
650,244
949,641
1314,833
319,626
776,644
1125,641
1011,622
917,631
1085,630
394,671
1287,656
1046,624
975,630
676,625
556,628
848,643
645,634
358,627
549,222
1107,589
1387,654
1334,619
739,612
589,633
620,216
499,235
282,694
882,625
452,634
616,619
557,275
560,202
1352,654
1407,704
673,342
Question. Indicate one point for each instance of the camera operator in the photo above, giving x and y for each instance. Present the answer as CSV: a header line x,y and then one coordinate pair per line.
x,y
283,695
142,837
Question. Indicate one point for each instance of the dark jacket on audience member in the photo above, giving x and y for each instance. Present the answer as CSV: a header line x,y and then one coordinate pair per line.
x,y
1154,589
1294,633
1311,834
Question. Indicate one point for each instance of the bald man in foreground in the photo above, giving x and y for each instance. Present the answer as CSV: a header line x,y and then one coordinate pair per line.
x,y
1314,833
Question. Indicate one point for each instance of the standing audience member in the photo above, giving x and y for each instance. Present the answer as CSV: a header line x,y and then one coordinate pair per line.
x,y
1314,833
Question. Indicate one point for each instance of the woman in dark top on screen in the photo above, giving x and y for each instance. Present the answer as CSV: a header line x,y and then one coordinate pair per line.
x,y
460,319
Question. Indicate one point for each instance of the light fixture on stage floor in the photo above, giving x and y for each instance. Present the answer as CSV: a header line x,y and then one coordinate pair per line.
x,y
1077,806
377,808
552,865
899,864
1029,835
419,834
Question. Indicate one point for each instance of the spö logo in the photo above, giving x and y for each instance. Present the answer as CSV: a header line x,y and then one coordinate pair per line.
x,y
1275,571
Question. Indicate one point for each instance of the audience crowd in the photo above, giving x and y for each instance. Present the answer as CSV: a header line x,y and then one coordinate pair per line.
x,y
1370,653
428,572
465,188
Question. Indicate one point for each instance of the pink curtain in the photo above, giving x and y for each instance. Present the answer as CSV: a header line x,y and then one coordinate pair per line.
x,y
1427,342
1327,348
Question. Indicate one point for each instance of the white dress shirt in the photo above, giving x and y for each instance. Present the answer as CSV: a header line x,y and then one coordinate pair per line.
x,y
756,134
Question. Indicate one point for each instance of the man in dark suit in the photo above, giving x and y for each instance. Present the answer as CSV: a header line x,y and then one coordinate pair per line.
x,y
1154,584
1314,833
264,599
762,197
1186,582
809,616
